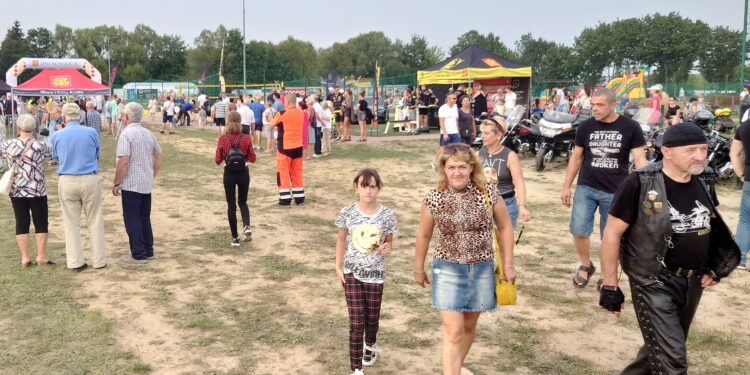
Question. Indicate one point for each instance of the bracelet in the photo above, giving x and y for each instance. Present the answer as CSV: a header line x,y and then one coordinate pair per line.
x,y
116,185
420,272
508,266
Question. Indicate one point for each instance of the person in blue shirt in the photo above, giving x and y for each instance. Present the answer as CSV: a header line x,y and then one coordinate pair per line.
x,y
257,107
184,115
76,148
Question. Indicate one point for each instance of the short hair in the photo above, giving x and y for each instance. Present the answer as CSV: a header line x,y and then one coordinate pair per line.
x,y
71,112
276,95
233,122
134,111
291,98
608,94
89,105
26,123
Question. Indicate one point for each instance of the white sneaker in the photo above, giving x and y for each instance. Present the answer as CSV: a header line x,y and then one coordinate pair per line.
x,y
358,372
236,242
370,355
248,234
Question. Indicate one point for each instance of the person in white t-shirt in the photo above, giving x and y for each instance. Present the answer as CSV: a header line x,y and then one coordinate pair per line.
x,y
562,101
448,115
326,115
510,99
167,123
248,120
268,129
318,126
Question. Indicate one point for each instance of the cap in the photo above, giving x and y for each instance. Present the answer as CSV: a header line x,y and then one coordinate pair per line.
x,y
683,134
656,87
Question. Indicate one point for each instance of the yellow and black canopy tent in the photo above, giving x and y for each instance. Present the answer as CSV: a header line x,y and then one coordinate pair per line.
x,y
474,64
471,64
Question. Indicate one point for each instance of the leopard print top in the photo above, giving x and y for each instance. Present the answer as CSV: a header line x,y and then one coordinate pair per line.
x,y
463,221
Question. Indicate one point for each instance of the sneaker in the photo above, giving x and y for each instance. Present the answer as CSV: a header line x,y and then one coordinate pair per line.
x,y
370,355
131,260
236,242
358,372
248,234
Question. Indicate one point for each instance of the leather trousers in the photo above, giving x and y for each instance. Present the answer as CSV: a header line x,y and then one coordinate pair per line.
x,y
665,310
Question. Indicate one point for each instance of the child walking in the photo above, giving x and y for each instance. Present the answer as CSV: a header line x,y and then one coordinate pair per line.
x,y
365,236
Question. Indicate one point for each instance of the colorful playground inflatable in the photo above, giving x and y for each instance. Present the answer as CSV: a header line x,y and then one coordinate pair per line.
x,y
631,83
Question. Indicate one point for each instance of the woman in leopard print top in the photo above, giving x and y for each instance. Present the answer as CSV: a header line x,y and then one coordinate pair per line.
x,y
463,280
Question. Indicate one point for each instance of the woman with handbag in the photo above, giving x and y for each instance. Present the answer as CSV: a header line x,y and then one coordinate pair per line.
x,y
503,170
24,182
463,269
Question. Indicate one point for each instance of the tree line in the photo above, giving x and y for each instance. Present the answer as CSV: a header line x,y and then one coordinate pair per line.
x,y
674,46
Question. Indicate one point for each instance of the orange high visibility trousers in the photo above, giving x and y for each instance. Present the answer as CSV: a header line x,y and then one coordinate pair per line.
x,y
289,179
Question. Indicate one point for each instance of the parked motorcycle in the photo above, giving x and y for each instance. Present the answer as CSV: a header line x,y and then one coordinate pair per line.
x,y
556,139
724,122
718,155
651,132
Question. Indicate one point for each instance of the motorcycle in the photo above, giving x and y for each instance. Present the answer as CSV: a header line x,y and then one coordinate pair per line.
x,y
522,134
718,155
724,122
651,131
557,132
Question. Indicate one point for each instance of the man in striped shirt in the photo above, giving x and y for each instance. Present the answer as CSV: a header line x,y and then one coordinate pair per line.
x,y
219,113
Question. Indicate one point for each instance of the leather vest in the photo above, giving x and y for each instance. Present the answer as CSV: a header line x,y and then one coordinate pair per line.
x,y
646,242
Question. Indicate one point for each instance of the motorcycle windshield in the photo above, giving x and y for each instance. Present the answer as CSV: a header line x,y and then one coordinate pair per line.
x,y
558,117
645,117
515,115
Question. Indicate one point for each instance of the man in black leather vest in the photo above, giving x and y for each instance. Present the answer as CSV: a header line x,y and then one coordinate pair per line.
x,y
664,228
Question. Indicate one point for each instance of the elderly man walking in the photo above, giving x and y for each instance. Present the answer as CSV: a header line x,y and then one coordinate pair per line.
x,y
139,159
92,118
77,149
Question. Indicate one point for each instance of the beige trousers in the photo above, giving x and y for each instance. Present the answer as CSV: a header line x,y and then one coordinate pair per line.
x,y
326,141
76,193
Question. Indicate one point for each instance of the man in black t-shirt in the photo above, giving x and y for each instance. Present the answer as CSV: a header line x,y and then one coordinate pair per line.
x,y
424,101
660,226
603,145
740,144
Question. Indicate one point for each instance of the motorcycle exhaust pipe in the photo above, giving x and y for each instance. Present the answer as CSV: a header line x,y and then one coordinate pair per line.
x,y
725,171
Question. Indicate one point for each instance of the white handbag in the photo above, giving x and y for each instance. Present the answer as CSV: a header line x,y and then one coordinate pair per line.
x,y
6,182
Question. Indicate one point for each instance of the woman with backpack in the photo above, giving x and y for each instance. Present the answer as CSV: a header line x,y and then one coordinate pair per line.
x,y
236,150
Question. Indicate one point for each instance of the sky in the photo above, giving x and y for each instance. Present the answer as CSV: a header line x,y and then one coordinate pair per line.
x,y
324,23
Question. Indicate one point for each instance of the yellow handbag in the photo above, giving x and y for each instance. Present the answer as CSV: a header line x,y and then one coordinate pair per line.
x,y
505,292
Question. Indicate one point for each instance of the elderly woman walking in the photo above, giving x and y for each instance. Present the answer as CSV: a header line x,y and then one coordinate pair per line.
x,y
463,281
28,194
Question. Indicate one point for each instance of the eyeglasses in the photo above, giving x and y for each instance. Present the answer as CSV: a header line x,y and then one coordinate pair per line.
x,y
453,147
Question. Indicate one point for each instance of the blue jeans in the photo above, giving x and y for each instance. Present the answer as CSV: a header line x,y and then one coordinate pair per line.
x,y
743,226
318,140
560,108
585,202
512,205
452,138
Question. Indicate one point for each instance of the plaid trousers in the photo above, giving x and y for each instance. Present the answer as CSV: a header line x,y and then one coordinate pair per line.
x,y
363,302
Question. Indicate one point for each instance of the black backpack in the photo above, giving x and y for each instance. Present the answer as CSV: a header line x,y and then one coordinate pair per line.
x,y
235,158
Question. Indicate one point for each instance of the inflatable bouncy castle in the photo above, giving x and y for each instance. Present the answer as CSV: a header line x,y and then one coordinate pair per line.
x,y
631,83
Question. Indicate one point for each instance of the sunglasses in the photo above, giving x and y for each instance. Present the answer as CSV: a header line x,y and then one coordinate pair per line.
x,y
454,147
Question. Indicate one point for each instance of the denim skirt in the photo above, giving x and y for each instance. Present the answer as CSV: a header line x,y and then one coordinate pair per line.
x,y
463,287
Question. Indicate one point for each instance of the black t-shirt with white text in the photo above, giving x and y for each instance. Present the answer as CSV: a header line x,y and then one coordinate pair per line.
x,y
689,210
606,151
743,134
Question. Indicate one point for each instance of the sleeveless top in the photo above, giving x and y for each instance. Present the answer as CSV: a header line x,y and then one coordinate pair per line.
x,y
496,169
480,104
465,123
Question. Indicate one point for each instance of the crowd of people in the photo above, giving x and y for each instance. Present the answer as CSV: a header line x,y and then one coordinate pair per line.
x,y
660,223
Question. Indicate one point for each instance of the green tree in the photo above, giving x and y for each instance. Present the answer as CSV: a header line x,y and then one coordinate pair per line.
x,y
298,59
418,54
64,38
489,42
133,73
672,44
718,63
532,52
206,53
41,42
14,47
594,50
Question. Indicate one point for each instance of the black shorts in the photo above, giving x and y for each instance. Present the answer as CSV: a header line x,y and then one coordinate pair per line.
x,y
259,127
424,111
246,129
219,121
339,117
168,118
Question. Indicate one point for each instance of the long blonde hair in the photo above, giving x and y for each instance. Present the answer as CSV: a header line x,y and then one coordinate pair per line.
x,y
464,153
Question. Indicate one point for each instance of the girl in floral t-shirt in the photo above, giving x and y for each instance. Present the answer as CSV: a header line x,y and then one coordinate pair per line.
x,y
365,236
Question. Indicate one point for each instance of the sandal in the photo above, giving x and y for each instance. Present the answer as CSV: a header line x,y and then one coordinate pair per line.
x,y
580,282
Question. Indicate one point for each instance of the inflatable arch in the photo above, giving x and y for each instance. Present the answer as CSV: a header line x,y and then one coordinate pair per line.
x,y
11,76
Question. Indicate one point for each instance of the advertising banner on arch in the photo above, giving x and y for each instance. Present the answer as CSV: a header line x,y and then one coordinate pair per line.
x,y
11,76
